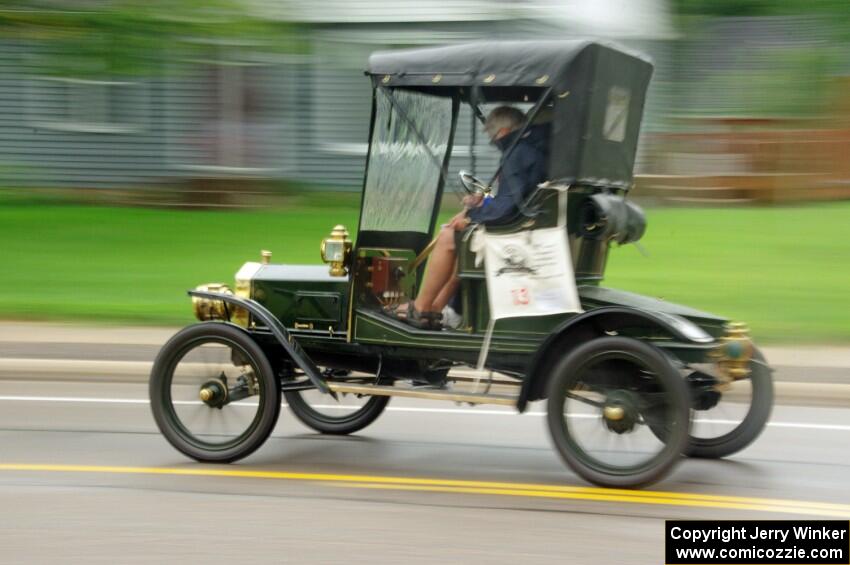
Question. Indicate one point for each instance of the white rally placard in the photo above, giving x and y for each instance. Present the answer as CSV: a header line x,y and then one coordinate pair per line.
x,y
529,274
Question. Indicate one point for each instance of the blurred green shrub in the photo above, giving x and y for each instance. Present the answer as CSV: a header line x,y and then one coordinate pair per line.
x,y
132,37
794,82
835,14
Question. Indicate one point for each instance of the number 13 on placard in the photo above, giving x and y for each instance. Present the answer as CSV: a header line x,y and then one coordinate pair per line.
x,y
520,296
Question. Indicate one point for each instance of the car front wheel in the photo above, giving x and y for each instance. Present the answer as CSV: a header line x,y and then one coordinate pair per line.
x,y
213,393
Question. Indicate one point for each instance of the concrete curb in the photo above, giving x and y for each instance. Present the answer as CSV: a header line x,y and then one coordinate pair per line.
x,y
71,370
75,370
810,356
49,332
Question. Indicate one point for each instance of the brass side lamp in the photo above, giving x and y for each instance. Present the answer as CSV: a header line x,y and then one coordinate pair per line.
x,y
336,249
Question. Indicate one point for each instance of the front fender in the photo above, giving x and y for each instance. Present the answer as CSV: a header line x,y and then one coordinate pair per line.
x,y
262,315
595,323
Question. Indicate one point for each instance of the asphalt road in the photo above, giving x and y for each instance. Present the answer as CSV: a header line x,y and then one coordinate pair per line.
x,y
86,477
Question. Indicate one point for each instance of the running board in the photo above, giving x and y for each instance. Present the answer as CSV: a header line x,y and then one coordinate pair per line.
x,y
431,394
483,380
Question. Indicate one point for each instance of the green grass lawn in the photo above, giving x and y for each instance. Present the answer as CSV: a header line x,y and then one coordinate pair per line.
x,y
786,271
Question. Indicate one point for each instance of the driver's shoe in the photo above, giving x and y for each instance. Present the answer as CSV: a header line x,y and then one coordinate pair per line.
x,y
421,320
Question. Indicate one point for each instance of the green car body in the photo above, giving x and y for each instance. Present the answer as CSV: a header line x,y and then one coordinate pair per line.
x,y
637,362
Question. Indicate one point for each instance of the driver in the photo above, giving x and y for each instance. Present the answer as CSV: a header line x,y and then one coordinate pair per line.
x,y
522,169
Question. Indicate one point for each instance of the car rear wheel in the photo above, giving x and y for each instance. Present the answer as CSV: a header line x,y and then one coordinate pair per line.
x,y
738,416
604,398
213,393
348,414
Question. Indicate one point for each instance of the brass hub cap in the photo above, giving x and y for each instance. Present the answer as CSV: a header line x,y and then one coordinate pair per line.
x,y
213,393
619,412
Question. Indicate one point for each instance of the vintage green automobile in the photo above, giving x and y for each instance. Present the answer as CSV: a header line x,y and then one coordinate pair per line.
x,y
630,383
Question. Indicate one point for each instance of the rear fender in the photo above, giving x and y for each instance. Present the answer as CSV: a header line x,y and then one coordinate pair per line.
x,y
596,323
266,318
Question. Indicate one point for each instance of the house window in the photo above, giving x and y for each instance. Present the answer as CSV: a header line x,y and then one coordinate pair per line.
x,y
87,106
232,114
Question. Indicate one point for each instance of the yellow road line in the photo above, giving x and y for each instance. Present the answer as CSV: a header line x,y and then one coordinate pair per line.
x,y
782,509
473,487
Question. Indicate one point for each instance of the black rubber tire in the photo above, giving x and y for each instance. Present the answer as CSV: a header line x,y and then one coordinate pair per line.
x,y
347,424
160,391
750,427
567,372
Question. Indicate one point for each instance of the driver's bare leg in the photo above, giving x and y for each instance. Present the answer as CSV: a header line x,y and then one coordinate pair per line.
x,y
441,268
447,292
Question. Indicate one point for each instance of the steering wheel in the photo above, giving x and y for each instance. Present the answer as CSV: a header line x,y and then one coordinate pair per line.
x,y
472,184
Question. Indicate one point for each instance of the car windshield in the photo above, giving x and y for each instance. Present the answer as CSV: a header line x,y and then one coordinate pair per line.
x,y
409,145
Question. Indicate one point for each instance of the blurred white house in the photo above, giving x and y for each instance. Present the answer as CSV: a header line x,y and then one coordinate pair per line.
x,y
247,111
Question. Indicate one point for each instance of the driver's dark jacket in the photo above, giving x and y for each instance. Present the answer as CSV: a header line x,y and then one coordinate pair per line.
x,y
522,170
